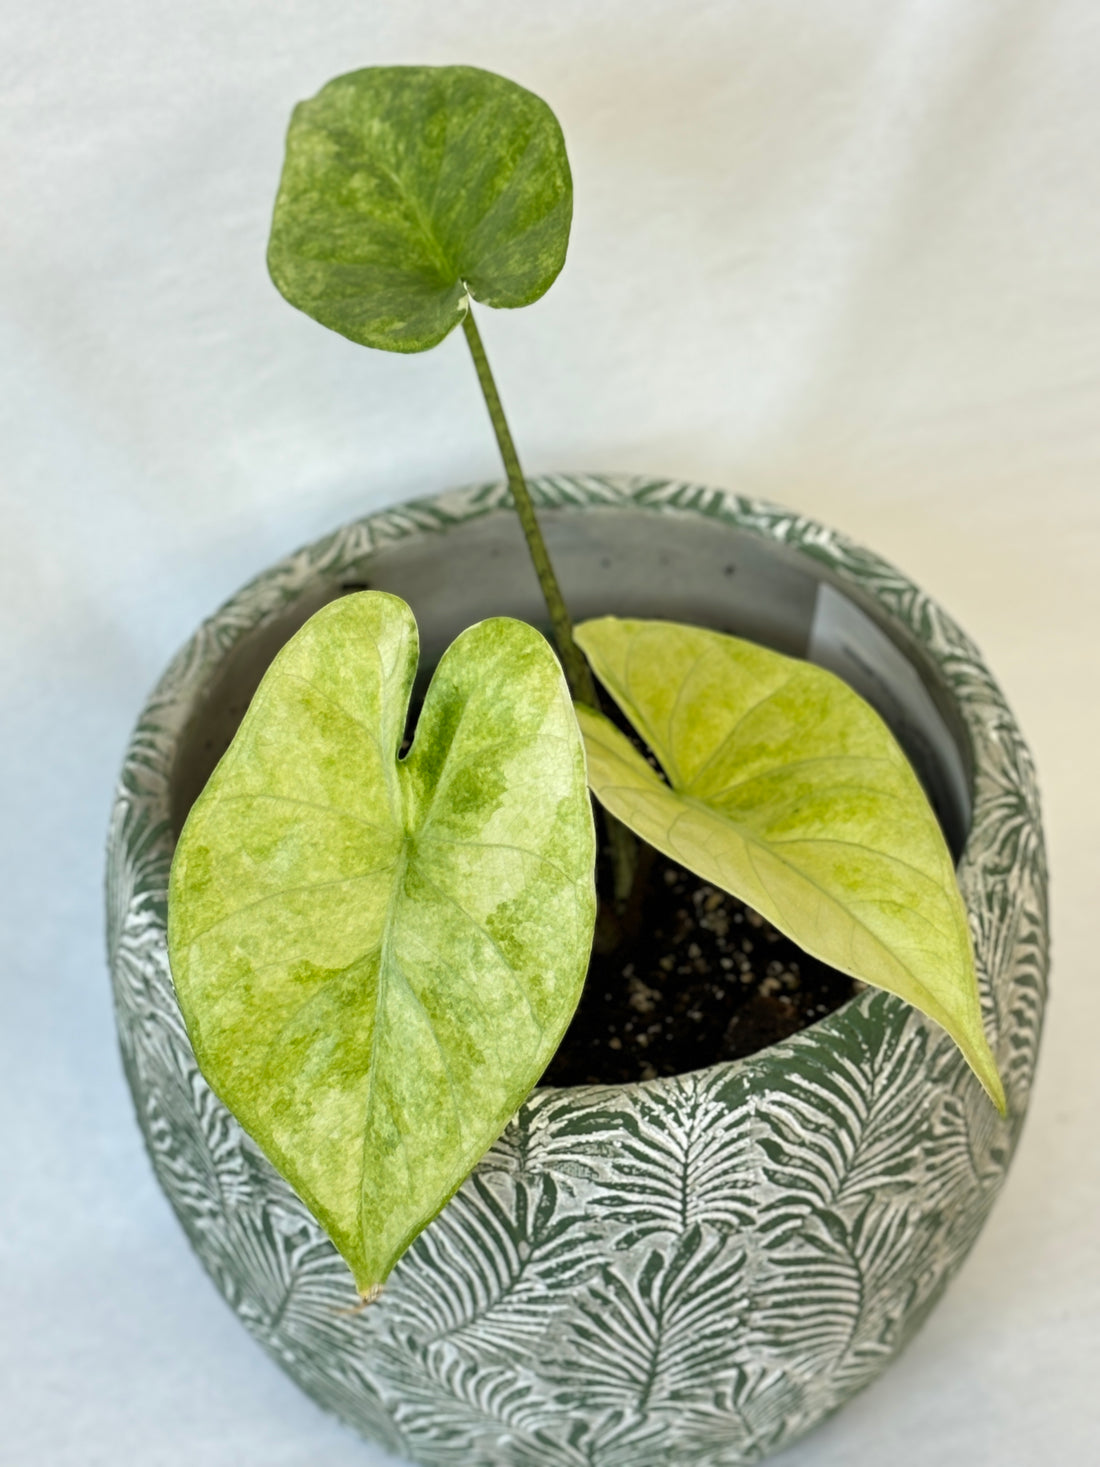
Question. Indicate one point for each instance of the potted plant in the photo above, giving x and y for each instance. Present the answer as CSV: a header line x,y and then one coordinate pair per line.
x,y
377,951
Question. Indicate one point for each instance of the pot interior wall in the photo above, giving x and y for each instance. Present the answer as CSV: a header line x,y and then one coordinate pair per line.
x,y
671,566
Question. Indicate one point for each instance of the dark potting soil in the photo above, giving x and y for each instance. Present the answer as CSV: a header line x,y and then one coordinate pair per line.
x,y
704,979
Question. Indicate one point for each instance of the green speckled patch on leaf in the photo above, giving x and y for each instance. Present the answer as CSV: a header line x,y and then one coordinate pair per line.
x,y
404,187
376,957
787,789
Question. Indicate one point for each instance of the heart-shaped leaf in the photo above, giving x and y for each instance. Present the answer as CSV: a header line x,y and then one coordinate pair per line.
x,y
377,956
785,788
404,188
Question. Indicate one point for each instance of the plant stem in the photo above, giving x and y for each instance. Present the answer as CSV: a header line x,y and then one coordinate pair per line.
x,y
577,672
624,848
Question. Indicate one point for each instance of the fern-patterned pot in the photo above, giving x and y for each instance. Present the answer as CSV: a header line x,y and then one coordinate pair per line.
x,y
683,1271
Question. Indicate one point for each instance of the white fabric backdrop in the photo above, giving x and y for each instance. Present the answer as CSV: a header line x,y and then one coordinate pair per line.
x,y
843,255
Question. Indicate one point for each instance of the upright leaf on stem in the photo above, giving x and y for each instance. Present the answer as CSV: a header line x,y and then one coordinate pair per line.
x,y
405,188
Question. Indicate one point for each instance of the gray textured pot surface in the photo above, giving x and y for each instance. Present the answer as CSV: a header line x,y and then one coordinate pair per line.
x,y
684,1271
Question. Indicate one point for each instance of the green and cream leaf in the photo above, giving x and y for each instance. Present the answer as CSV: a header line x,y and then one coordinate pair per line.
x,y
376,956
784,787
405,188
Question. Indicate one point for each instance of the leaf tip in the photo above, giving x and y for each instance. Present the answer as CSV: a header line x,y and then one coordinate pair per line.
x,y
994,1088
367,1296
981,1060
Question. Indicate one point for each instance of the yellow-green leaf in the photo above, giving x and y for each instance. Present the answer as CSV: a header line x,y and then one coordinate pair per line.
x,y
407,187
377,956
785,788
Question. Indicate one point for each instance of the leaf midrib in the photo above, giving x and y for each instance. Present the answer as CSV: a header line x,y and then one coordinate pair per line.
x,y
384,952
435,250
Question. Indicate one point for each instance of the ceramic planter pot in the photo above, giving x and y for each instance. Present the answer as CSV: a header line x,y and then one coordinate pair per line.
x,y
683,1271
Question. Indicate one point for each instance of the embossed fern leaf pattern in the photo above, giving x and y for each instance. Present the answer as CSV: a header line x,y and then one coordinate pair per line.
x,y
648,1338
457,1408
832,1140
691,1270
483,1285
839,1231
674,1165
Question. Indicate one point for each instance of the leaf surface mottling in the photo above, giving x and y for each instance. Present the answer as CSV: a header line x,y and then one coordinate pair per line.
x,y
785,788
376,957
406,187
